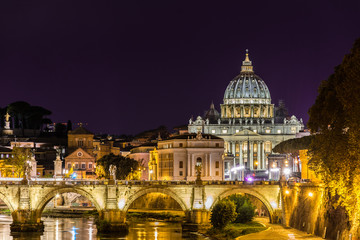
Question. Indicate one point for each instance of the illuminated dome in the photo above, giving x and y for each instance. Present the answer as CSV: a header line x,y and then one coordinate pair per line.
x,y
247,96
247,85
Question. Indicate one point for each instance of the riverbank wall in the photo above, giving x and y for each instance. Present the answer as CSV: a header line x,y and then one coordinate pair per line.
x,y
306,207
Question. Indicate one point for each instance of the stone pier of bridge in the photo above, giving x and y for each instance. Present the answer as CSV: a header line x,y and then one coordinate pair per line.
x,y
26,202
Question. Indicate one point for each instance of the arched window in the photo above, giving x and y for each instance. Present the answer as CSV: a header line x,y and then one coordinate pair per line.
x,y
198,161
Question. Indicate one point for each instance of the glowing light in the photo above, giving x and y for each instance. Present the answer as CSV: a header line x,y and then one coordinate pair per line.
x,y
249,179
156,233
266,172
198,205
274,170
310,194
209,202
90,232
151,171
121,204
57,195
287,192
256,163
273,204
57,230
74,175
287,171
234,169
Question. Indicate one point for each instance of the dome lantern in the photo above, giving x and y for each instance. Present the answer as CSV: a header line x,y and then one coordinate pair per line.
x,y
247,65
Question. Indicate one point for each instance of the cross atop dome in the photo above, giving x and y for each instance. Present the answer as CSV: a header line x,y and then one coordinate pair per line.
x,y
247,65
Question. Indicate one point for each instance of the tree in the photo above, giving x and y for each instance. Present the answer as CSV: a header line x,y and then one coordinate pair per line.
x,y
21,155
244,209
223,213
126,168
334,151
60,130
68,126
293,145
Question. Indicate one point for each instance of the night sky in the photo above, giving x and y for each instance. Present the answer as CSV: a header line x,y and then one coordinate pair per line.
x,y
129,66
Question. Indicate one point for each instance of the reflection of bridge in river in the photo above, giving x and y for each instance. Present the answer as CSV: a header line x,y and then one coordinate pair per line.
x,y
26,201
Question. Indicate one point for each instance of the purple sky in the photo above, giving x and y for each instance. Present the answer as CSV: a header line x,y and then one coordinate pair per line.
x,y
128,66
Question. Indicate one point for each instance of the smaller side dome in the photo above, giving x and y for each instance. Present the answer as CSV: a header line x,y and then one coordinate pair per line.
x,y
212,114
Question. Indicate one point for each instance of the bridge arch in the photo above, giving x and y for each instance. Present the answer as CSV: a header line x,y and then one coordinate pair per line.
x,y
7,202
165,191
249,192
45,200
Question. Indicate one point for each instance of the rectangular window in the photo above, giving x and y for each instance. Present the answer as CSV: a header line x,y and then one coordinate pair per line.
x,y
267,131
181,173
217,164
181,164
69,165
217,173
224,131
213,131
80,143
76,166
180,145
90,165
83,166
217,145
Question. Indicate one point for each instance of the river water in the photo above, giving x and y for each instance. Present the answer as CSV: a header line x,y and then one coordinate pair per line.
x,y
85,229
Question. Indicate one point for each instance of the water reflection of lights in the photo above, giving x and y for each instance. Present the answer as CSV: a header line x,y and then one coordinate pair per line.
x,y
156,234
73,232
90,232
57,230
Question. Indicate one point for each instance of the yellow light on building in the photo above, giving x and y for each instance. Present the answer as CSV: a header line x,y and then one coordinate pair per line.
x,y
310,194
287,192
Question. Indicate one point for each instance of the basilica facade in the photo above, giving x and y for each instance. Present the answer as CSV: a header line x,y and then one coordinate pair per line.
x,y
249,123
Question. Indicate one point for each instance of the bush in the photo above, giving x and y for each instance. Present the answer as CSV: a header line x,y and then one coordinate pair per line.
x,y
244,209
223,213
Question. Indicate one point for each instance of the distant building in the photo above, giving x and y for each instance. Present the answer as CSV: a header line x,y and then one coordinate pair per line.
x,y
248,123
81,163
178,156
142,155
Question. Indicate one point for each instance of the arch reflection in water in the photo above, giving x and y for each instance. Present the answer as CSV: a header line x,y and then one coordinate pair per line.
x,y
84,229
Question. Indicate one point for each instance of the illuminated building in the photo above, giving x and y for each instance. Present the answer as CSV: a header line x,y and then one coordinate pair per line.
x,y
248,123
178,156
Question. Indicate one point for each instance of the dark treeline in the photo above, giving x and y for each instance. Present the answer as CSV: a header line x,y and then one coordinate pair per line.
x,y
25,116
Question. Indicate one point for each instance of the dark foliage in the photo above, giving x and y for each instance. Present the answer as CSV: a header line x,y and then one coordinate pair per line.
x,y
223,213
244,209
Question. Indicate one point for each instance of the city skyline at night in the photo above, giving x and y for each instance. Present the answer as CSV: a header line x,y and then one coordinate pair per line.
x,y
127,67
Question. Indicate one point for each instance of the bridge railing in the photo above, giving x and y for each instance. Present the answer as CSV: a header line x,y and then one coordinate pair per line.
x,y
135,182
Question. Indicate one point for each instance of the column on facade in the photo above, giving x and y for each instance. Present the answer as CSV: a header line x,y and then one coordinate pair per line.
x,y
188,166
191,166
241,160
251,155
210,165
263,155
233,150
241,111
205,165
252,111
258,155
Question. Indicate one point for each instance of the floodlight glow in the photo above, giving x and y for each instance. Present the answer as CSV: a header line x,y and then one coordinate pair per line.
x,y
310,194
121,204
273,204
209,202
249,179
287,192
234,169
287,171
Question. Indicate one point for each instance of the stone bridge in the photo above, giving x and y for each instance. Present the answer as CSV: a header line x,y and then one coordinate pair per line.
x,y
26,201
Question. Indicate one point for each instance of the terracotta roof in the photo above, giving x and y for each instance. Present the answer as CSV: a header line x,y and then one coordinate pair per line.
x,y
80,130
